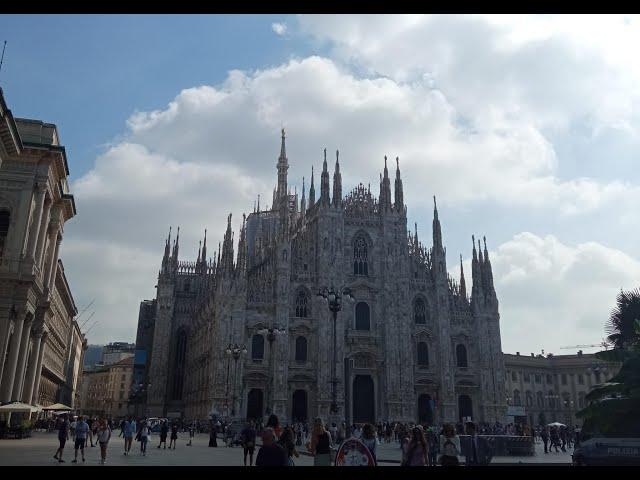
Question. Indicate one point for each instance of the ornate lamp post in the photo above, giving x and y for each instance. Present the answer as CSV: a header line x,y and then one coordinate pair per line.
x,y
272,333
235,352
334,301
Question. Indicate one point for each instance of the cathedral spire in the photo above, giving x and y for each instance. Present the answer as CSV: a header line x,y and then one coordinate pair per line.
x,y
399,195
437,231
204,247
312,191
415,235
337,183
303,201
463,285
199,249
241,261
324,181
385,189
165,257
176,248
283,166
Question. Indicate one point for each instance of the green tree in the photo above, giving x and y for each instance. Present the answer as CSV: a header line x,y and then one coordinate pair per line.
x,y
614,407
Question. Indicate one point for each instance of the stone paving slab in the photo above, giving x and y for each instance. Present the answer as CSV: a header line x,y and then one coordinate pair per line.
x,y
40,448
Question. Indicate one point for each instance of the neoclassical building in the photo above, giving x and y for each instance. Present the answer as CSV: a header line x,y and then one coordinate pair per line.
x,y
41,346
411,345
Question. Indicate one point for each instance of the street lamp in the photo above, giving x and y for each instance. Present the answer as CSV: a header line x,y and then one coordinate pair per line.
x,y
272,333
334,302
234,351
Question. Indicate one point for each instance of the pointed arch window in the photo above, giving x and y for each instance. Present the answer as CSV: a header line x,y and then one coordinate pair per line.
x,y
5,220
302,301
363,316
360,256
301,350
423,354
461,356
420,312
257,347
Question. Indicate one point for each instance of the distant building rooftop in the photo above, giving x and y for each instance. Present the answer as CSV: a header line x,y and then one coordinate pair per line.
x,y
37,132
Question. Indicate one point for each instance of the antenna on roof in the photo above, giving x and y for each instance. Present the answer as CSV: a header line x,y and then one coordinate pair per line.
x,y
2,58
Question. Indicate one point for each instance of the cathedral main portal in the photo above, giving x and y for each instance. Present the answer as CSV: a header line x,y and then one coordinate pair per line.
x,y
363,399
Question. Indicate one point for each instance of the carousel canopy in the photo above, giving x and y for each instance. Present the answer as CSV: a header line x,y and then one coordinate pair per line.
x,y
57,406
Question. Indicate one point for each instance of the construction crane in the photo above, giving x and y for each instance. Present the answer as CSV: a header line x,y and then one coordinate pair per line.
x,y
602,344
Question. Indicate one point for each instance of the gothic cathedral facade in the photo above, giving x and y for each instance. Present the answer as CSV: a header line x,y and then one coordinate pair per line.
x,y
411,344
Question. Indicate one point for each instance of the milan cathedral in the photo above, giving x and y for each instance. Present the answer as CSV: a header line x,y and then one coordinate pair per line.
x,y
246,334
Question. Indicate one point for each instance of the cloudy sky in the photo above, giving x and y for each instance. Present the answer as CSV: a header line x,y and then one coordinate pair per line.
x,y
526,128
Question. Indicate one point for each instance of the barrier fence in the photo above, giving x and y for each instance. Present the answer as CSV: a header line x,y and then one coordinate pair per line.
x,y
502,445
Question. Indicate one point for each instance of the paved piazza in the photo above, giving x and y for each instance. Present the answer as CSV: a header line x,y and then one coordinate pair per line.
x,y
39,450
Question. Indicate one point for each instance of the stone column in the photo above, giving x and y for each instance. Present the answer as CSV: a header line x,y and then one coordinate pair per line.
x,y
31,371
22,358
47,262
38,374
54,263
10,367
42,233
36,222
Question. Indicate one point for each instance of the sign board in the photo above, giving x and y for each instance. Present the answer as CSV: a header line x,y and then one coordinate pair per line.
x,y
516,411
354,453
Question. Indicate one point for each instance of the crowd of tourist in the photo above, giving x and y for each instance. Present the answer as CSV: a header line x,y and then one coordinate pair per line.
x,y
421,445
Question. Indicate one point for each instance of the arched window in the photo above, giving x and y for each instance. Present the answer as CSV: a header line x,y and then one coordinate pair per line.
x,y
363,314
517,401
5,219
301,304
551,397
420,312
301,349
360,257
461,356
257,347
179,364
529,399
423,355
540,399
581,400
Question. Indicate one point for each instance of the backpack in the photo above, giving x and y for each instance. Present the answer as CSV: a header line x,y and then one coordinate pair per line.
x,y
449,449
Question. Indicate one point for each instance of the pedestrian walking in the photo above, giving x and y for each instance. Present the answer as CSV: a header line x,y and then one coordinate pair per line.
x,y
555,439
174,436
479,451
104,435
449,446
433,447
82,429
192,430
164,430
286,442
63,436
369,439
415,452
544,434
320,444
143,437
270,454
248,438
213,435
129,431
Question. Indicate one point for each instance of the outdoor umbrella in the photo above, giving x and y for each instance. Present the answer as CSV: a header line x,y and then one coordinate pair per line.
x,y
16,407
556,424
57,406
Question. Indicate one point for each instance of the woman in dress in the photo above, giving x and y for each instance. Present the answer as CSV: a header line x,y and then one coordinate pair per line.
x,y
415,452
174,435
320,444
449,446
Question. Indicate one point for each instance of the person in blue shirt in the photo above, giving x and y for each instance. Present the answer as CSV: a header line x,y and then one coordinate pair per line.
x,y
129,430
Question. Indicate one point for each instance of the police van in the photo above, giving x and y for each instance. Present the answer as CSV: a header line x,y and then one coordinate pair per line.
x,y
599,450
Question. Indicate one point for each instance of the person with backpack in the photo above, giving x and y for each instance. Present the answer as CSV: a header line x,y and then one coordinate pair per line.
x,y
449,446
415,452
320,444
433,447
